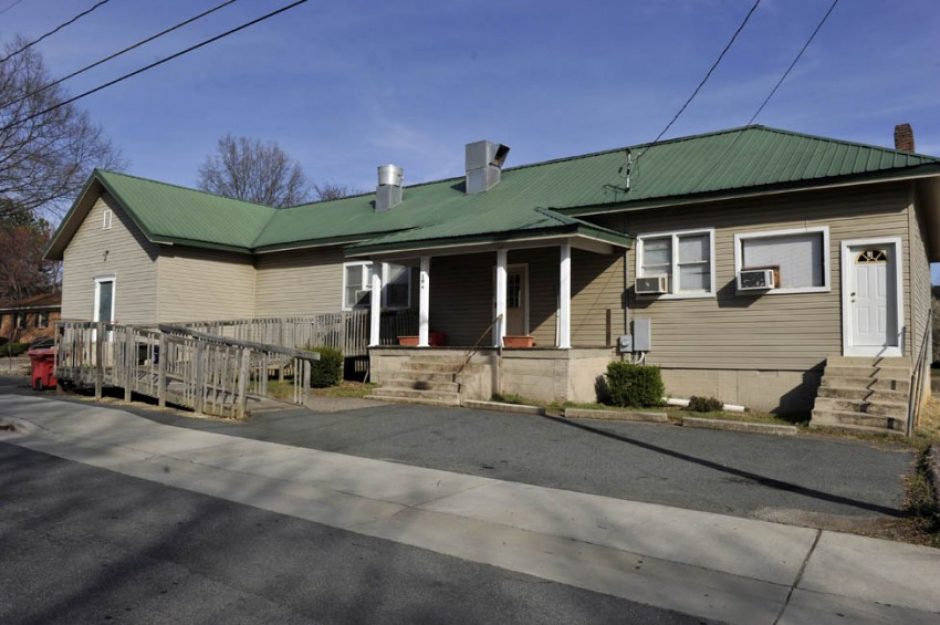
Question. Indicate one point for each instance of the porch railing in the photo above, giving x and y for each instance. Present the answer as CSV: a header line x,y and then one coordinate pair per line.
x,y
346,331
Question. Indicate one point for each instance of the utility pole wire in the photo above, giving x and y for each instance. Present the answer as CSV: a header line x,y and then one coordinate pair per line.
x,y
118,53
154,64
53,31
10,6
707,74
795,61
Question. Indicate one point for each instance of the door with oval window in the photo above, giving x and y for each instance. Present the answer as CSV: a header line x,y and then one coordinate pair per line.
x,y
873,298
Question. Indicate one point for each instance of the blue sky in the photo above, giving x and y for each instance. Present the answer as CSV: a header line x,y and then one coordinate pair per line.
x,y
345,86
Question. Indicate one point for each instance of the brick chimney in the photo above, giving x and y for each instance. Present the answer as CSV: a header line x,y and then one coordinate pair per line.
x,y
904,138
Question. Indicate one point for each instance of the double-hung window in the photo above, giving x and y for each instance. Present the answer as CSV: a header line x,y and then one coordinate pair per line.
x,y
799,257
357,285
685,258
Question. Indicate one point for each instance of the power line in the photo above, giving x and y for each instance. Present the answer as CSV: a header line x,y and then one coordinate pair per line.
x,y
10,6
707,75
154,64
53,31
795,61
118,53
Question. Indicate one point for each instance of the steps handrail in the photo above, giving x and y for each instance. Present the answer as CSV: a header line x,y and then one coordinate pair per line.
x,y
476,346
917,391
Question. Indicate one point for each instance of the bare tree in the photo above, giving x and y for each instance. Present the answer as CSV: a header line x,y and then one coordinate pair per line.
x,y
332,191
23,272
43,160
247,169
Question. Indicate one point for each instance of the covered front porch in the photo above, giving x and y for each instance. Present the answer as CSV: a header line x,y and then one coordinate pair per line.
x,y
537,317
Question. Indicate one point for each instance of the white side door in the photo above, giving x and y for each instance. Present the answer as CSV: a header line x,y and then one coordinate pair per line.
x,y
873,296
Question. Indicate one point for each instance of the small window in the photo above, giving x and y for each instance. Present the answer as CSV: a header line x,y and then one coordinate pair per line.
x,y
357,285
42,320
684,258
397,286
106,219
20,321
801,257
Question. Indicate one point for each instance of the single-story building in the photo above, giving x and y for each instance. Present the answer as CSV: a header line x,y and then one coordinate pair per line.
x,y
741,262
30,318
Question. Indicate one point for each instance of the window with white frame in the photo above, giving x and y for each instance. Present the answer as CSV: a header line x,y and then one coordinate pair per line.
x,y
685,258
800,257
357,285
106,217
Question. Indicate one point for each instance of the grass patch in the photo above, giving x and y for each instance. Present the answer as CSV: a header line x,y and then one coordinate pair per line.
x,y
512,398
921,505
347,388
676,412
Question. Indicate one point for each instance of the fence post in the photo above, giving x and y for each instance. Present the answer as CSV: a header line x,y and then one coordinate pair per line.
x,y
199,390
243,383
99,360
161,371
129,360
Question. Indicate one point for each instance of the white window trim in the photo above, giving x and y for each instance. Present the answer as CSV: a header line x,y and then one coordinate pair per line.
x,y
675,234
888,351
98,281
106,219
367,285
740,237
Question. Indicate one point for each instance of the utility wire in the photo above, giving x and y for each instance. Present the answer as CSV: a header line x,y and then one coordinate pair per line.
x,y
53,31
154,64
707,76
10,6
118,53
795,61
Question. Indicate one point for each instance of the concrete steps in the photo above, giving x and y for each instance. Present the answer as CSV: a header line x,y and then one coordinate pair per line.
x,y
424,379
868,394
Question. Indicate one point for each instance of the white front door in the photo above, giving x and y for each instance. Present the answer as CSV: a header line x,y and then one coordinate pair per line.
x,y
872,298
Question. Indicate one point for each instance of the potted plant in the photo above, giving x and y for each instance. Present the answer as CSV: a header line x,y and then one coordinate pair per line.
x,y
408,341
518,341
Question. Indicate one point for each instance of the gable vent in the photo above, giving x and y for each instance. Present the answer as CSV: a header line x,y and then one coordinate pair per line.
x,y
484,164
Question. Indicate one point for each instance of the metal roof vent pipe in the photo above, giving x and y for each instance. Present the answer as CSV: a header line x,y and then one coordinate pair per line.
x,y
484,163
388,192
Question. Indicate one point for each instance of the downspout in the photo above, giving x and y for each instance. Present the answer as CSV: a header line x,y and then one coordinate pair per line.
x,y
626,285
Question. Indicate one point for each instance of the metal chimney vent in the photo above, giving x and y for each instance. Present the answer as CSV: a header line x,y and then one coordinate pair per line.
x,y
388,192
484,162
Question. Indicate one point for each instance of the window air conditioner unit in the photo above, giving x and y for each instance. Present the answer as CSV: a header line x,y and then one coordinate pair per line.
x,y
363,297
653,285
757,279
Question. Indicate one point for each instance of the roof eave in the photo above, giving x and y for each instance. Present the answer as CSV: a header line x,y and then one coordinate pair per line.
x,y
908,173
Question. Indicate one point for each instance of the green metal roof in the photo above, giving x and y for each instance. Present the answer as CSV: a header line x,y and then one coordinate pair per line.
x,y
530,198
177,214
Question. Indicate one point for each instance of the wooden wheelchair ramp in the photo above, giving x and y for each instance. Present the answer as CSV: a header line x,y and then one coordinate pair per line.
x,y
176,365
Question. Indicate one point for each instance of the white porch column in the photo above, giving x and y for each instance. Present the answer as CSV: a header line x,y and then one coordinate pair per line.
x,y
564,297
375,311
424,300
499,330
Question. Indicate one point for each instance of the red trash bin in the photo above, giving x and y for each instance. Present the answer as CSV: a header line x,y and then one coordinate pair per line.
x,y
42,364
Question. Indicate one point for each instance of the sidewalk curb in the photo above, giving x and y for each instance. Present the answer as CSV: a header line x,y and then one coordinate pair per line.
x,y
616,415
739,426
499,406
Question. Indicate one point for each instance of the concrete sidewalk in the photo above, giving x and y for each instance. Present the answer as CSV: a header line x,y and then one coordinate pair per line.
x,y
724,568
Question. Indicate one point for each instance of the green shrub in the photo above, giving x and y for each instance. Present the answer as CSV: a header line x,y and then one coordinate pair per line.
x,y
634,385
328,371
13,349
704,404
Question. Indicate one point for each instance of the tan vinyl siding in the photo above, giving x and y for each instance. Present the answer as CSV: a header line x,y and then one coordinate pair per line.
x,y
299,282
120,251
462,296
920,298
196,285
768,332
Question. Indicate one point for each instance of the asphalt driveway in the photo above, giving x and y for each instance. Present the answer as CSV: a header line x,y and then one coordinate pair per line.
x,y
821,482
806,480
